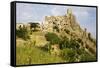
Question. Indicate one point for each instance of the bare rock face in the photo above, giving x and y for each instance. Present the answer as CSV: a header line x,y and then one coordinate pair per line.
x,y
67,25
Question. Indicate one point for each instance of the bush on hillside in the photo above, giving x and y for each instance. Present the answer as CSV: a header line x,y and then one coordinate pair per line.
x,y
66,43
74,44
53,38
87,57
68,55
22,33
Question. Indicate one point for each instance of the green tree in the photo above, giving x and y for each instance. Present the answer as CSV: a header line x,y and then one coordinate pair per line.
x,y
22,33
34,26
53,38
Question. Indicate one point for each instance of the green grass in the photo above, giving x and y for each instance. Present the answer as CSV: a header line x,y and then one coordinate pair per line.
x,y
39,38
33,55
30,52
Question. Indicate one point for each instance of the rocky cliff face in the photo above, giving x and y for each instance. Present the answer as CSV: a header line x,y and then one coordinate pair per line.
x,y
67,26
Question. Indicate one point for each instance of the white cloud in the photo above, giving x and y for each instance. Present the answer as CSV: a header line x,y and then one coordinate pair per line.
x,y
77,11
57,10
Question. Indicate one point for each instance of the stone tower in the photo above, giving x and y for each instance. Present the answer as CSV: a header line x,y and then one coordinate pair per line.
x,y
69,11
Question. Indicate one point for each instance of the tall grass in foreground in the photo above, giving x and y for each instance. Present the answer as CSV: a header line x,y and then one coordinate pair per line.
x,y
33,55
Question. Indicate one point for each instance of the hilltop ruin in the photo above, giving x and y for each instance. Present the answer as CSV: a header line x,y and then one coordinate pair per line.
x,y
68,26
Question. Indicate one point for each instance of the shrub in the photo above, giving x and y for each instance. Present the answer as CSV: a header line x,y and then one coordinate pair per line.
x,y
34,25
46,47
53,38
80,51
68,54
22,33
74,44
80,41
87,57
65,43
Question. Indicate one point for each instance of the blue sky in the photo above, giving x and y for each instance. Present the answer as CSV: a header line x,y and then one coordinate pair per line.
x,y
85,16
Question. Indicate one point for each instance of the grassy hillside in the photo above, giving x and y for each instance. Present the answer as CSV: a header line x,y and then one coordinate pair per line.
x,y
26,54
35,50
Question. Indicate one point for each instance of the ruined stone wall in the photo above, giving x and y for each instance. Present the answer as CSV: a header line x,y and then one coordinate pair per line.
x,y
62,22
